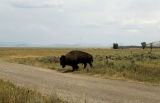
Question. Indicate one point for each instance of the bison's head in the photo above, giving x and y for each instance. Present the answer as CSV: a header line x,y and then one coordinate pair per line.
x,y
62,61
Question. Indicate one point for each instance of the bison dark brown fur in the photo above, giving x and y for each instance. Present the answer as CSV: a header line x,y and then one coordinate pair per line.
x,y
73,58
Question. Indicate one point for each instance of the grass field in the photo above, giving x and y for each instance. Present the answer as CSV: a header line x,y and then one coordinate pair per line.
x,y
124,64
9,93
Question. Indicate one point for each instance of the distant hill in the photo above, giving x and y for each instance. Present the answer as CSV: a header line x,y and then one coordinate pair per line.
x,y
155,44
17,44
23,44
13,44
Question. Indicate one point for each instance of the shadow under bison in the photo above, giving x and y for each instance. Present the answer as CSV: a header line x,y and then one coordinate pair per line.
x,y
74,58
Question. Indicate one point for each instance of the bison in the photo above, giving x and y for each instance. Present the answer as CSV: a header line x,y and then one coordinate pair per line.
x,y
73,58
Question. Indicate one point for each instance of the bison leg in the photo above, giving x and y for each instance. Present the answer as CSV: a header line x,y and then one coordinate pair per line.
x,y
85,64
75,67
90,64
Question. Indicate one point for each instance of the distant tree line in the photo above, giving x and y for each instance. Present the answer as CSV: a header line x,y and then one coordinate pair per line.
x,y
143,46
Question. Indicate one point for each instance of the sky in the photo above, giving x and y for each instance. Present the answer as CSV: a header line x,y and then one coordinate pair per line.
x,y
102,22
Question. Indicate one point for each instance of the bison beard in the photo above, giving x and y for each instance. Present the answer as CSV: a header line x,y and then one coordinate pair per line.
x,y
73,58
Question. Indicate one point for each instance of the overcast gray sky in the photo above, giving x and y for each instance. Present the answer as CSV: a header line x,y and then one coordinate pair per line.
x,y
80,21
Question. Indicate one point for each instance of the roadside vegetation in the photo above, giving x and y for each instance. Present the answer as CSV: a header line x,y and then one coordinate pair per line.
x,y
141,65
9,93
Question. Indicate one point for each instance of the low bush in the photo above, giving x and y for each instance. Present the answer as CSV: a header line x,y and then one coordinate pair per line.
x,y
49,59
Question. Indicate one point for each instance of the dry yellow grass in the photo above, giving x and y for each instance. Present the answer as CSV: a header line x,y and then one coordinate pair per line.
x,y
9,93
127,64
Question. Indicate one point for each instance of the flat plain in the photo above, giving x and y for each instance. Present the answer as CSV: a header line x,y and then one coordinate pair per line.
x,y
118,76
136,65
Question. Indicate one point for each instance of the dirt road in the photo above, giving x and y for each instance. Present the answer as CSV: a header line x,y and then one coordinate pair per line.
x,y
78,88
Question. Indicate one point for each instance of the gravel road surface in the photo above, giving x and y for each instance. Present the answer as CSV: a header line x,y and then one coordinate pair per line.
x,y
77,88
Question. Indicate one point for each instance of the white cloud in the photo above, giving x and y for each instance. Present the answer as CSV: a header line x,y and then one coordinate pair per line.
x,y
79,1
98,20
110,19
132,30
139,21
39,27
36,3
